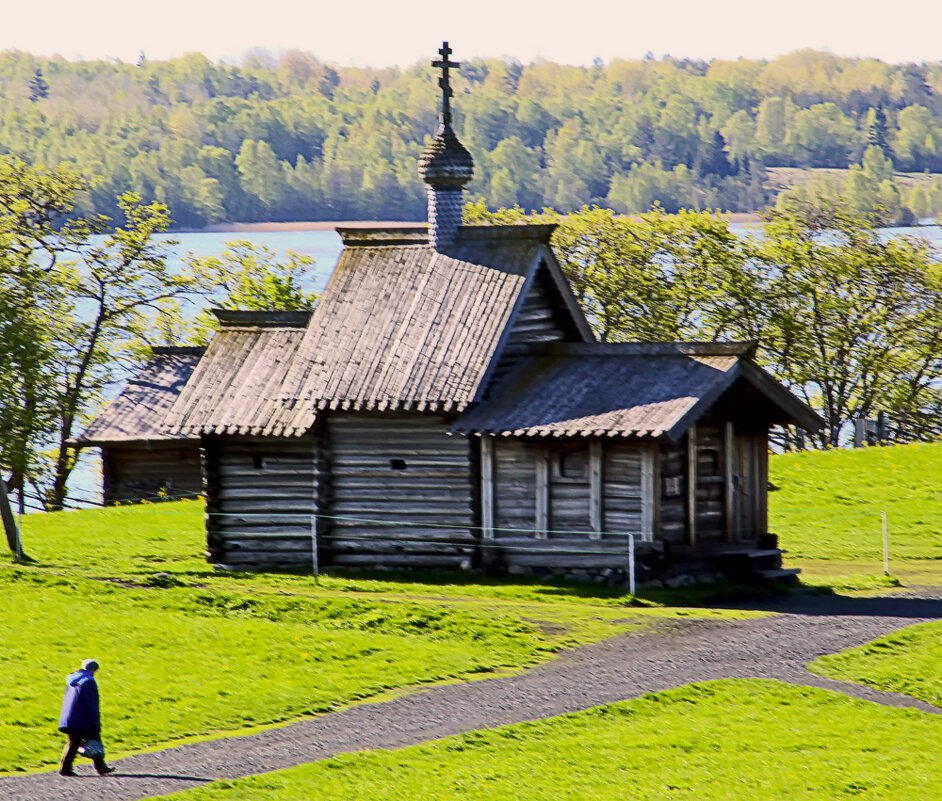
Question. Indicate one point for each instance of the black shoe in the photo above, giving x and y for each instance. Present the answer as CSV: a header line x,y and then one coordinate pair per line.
x,y
68,772
105,771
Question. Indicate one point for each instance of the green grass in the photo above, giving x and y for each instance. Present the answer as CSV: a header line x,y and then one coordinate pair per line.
x,y
185,648
731,740
120,541
827,505
191,652
185,662
907,661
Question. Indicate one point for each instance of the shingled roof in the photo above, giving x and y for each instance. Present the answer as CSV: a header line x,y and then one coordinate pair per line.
x,y
137,414
400,326
243,366
620,390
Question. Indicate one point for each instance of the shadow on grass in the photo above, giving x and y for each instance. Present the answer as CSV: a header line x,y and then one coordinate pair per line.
x,y
881,606
541,585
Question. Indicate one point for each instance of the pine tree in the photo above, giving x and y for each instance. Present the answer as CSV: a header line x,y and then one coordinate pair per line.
x,y
877,131
712,158
38,88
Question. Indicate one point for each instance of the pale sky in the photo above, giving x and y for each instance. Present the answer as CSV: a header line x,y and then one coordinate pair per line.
x,y
386,32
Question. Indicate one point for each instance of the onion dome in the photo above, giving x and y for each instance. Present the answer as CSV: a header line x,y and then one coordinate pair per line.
x,y
446,163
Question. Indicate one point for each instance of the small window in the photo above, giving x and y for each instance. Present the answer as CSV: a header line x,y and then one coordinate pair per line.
x,y
672,487
573,464
258,462
708,462
397,464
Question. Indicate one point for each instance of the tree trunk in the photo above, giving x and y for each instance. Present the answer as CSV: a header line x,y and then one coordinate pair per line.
x,y
9,524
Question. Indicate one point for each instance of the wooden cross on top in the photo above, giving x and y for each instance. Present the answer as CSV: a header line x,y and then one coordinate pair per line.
x,y
444,65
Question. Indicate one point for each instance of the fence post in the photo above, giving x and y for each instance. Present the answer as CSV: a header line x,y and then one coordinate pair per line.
x,y
314,564
631,563
886,546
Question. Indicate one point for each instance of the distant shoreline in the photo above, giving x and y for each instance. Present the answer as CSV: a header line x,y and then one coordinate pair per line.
x,y
299,225
330,225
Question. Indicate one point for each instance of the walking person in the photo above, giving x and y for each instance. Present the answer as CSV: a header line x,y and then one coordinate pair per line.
x,y
80,719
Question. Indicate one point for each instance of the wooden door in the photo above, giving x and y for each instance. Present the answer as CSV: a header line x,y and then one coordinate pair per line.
x,y
745,487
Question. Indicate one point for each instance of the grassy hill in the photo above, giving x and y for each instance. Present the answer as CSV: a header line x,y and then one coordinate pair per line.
x,y
827,509
133,587
129,586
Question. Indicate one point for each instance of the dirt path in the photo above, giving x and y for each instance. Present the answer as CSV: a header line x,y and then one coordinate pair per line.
x,y
777,647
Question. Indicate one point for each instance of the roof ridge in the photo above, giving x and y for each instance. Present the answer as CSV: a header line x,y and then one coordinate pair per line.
x,y
742,350
283,318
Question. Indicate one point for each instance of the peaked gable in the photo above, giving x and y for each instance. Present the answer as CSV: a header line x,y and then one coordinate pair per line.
x,y
403,326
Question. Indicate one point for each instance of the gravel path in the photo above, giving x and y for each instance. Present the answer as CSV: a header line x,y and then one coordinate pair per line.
x,y
627,666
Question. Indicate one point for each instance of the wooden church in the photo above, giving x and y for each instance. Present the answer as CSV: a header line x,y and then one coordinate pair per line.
x,y
447,406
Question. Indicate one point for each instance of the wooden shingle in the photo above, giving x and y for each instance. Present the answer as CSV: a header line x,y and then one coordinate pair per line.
x,y
243,366
622,390
137,414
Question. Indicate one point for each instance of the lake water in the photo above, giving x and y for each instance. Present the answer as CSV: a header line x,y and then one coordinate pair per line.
x,y
324,247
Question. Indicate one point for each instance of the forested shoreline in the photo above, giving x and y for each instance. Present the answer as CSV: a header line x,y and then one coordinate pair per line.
x,y
289,138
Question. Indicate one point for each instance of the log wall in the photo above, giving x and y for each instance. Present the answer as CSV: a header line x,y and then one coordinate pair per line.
x,y
399,494
260,500
144,470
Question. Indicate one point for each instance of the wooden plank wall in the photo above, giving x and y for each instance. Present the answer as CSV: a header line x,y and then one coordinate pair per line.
x,y
710,482
400,492
260,500
515,487
622,501
672,522
570,496
537,321
142,471
544,519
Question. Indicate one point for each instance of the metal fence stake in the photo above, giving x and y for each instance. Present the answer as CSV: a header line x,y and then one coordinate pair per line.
x,y
314,564
886,547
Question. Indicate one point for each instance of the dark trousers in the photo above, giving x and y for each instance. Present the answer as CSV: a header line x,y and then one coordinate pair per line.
x,y
71,749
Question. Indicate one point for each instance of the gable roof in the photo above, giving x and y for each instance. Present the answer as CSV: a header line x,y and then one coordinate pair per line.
x,y
137,414
619,390
243,365
400,326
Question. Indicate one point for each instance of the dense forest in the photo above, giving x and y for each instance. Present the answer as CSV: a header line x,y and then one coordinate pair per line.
x,y
289,137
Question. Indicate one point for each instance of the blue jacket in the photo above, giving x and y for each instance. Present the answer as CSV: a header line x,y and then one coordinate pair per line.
x,y
80,703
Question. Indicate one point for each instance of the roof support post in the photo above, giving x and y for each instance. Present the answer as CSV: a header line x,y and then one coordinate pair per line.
x,y
692,485
595,489
542,492
648,490
487,486
729,480
762,483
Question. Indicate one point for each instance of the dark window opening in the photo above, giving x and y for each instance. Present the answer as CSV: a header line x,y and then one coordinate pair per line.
x,y
258,462
397,464
573,464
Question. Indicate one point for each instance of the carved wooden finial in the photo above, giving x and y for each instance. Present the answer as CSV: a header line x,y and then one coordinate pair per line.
x,y
444,64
